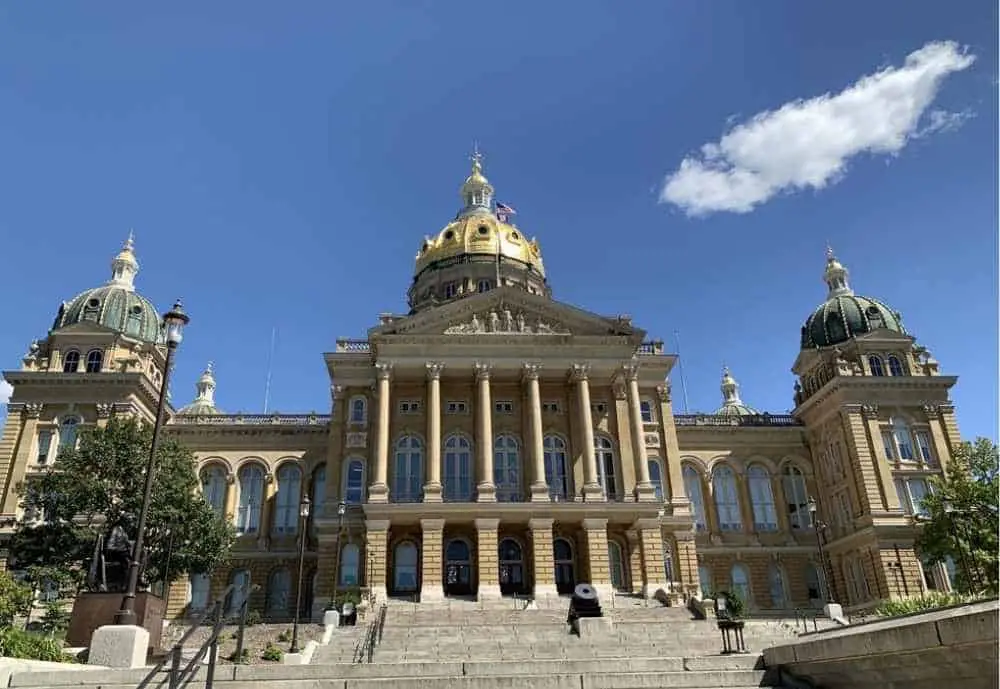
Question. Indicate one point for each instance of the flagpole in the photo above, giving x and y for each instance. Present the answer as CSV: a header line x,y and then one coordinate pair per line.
x,y
680,365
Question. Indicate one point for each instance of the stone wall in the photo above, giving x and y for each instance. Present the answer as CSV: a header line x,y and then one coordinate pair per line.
x,y
954,647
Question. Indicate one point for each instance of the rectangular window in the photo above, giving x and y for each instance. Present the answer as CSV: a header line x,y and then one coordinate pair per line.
x,y
44,445
456,407
905,445
409,406
503,407
890,446
646,409
550,407
903,495
450,290
919,490
924,446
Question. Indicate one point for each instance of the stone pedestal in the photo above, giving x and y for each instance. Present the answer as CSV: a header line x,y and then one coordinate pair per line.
x,y
94,610
119,646
596,628
833,611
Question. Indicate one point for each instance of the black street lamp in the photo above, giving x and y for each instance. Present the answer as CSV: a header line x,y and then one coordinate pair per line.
x,y
303,521
174,321
819,527
341,511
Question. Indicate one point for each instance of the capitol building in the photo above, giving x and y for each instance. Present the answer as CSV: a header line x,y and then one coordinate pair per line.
x,y
495,441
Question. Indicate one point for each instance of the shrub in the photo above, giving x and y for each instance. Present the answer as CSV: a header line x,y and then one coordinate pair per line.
x,y
284,637
253,618
56,619
272,653
929,601
734,604
15,599
242,659
17,643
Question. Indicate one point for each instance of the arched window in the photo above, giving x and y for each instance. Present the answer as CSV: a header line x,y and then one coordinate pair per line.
x,y
605,455
408,477
740,583
318,494
765,516
796,498
727,499
286,502
555,467
68,430
240,580
668,559
692,486
457,469
200,590
404,567
359,410
72,361
705,581
875,364
213,487
616,564
350,560
95,360
507,469
656,476
813,583
776,583
251,486
354,481
511,562
895,366
279,589
562,557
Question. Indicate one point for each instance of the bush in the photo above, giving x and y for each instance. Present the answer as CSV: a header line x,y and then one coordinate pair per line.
x,y
253,617
242,659
284,637
15,599
17,643
734,604
930,601
56,619
272,653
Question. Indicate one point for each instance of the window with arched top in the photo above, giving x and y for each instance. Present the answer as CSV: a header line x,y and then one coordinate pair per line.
x,y
250,481
875,364
484,286
354,481
556,475
201,585
213,487
71,362
692,487
405,563
457,477
765,516
565,567
739,583
727,499
240,580
895,365
796,497
668,559
287,500
409,470
279,589
605,454
776,585
358,410
507,469
656,476
350,561
95,361
705,581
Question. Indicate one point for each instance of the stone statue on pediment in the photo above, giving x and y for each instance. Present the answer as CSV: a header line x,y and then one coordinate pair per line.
x,y
508,321
494,322
522,326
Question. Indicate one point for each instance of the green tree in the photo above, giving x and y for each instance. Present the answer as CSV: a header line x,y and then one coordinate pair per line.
x,y
961,516
15,599
99,485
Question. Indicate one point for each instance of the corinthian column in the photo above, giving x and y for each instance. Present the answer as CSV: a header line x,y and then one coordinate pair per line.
x,y
379,489
580,375
432,489
539,488
643,488
485,490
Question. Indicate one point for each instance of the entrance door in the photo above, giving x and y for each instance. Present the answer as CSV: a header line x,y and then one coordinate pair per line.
x,y
404,568
512,578
562,553
458,569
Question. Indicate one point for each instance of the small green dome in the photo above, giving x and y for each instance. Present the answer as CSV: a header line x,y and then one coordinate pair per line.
x,y
732,405
845,315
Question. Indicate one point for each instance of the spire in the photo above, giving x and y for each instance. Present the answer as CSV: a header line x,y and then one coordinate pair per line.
x,y
206,386
835,276
730,389
477,192
124,266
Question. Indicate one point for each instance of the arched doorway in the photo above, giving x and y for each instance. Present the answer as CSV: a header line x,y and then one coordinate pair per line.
x,y
616,566
404,568
458,568
562,556
511,557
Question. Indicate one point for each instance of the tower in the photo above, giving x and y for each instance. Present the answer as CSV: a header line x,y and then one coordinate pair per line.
x,y
879,423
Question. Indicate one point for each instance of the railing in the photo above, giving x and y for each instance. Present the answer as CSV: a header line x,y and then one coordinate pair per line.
x,y
252,419
755,420
365,650
346,345
651,348
177,676
803,617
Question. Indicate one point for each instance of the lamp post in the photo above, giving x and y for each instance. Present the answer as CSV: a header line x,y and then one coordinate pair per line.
x,y
303,521
820,527
174,321
341,510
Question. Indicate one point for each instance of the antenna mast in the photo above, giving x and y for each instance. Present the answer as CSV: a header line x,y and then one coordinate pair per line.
x,y
680,364
270,360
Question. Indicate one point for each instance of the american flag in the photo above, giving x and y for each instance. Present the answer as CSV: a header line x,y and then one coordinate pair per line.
x,y
504,209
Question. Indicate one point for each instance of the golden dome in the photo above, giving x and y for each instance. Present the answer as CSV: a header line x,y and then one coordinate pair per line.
x,y
478,234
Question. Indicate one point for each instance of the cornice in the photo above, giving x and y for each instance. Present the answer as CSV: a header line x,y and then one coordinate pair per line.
x,y
135,381
872,386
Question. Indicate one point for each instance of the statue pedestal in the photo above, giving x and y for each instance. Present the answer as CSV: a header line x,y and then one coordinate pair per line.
x,y
124,646
94,610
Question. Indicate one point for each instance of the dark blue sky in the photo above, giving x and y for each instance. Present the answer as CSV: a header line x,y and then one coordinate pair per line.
x,y
280,165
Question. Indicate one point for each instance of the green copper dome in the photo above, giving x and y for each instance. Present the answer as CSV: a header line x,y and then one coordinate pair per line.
x,y
845,315
115,305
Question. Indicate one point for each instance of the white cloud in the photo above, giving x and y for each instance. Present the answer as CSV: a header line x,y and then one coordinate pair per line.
x,y
808,143
6,389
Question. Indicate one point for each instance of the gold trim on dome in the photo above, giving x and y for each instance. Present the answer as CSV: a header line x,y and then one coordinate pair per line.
x,y
465,236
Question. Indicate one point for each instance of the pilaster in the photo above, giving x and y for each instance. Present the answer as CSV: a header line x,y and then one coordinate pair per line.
x,y
488,558
887,491
266,510
672,454
230,507
542,555
596,535
686,555
377,535
432,546
22,457
634,554
654,577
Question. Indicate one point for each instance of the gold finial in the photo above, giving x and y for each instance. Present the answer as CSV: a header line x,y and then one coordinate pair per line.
x,y
130,242
830,256
477,158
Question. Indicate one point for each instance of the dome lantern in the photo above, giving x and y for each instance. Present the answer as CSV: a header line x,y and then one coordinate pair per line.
x,y
732,405
204,401
835,276
477,192
125,266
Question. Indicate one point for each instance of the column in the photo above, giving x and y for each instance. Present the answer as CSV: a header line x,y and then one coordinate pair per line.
x,y
672,453
592,490
326,577
654,578
487,557
686,561
379,490
596,534
539,488
266,508
634,563
644,491
431,549
230,507
432,489
22,457
485,490
377,535
542,557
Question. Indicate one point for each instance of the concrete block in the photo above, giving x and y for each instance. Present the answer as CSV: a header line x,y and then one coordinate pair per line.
x,y
979,627
119,645
595,627
511,682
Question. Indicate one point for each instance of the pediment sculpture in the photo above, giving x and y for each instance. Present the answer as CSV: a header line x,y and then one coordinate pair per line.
x,y
506,322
